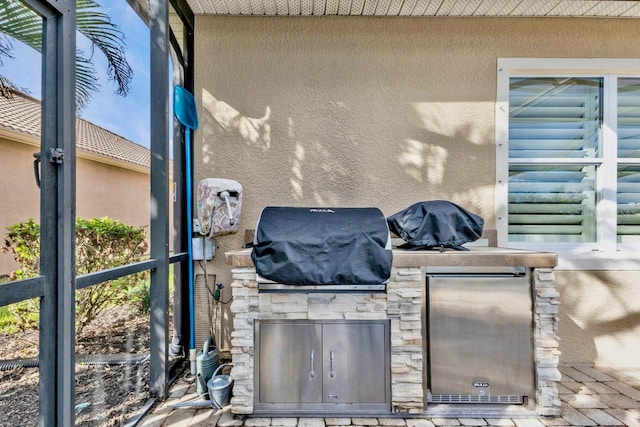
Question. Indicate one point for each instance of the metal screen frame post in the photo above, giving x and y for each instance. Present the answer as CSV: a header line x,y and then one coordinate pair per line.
x,y
180,238
182,74
57,215
159,68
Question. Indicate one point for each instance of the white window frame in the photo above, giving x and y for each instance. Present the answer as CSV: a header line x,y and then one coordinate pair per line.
x,y
606,253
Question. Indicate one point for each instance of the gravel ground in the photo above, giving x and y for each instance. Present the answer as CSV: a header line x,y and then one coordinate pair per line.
x,y
105,395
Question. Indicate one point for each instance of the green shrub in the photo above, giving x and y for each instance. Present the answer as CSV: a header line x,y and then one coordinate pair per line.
x,y
7,322
140,297
23,240
101,243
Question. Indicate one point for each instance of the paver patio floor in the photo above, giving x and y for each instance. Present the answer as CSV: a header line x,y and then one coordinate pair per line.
x,y
590,397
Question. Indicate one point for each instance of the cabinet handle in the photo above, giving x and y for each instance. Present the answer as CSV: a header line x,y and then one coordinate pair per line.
x,y
332,358
312,373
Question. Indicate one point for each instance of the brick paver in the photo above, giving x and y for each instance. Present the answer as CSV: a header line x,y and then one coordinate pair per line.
x,y
590,397
226,420
556,421
500,422
625,375
602,418
596,374
576,418
258,422
574,386
528,423
597,388
153,420
574,374
286,422
392,422
179,390
445,421
311,422
180,418
585,400
365,421
630,417
619,401
419,423
472,421
625,389
206,418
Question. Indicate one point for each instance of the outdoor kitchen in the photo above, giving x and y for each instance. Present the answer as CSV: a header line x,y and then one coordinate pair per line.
x,y
446,327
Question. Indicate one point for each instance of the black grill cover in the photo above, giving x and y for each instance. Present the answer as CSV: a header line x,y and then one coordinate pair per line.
x,y
436,223
322,246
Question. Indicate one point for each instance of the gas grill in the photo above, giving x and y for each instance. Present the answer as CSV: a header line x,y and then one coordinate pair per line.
x,y
322,249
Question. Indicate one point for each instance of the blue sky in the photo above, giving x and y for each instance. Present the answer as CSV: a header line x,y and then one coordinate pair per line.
x,y
126,116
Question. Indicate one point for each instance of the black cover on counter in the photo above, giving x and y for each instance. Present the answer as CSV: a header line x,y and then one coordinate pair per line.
x,y
322,246
436,223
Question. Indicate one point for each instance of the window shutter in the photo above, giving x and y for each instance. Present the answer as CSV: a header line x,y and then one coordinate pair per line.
x,y
553,122
628,203
628,229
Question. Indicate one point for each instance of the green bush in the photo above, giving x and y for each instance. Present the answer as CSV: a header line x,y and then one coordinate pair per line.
x,y
23,240
101,243
7,321
140,297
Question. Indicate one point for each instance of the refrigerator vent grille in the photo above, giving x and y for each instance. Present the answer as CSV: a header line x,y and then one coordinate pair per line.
x,y
474,398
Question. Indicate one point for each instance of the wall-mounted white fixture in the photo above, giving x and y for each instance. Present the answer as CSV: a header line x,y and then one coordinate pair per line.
x,y
219,204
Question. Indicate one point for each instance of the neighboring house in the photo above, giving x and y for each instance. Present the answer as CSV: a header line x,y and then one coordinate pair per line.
x,y
112,172
497,114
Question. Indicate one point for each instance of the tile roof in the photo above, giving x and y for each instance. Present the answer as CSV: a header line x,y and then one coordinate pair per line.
x,y
21,114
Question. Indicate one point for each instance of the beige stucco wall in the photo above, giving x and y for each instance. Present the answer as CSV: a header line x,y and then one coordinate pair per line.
x,y
600,317
339,111
116,192
19,196
101,190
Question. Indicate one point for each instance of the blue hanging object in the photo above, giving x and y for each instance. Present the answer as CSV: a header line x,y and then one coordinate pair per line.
x,y
184,108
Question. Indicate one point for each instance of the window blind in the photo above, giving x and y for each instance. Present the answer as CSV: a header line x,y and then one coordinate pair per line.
x,y
628,193
553,123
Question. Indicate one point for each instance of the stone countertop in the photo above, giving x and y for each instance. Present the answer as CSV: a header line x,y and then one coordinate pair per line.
x,y
476,256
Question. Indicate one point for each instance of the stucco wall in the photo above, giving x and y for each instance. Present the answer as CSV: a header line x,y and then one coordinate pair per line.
x,y
102,190
338,111
599,317
19,196
106,190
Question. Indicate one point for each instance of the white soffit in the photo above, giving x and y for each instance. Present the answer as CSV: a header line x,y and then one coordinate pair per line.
x,y
558,8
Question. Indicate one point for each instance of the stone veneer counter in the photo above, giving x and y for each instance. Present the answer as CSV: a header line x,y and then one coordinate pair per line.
x,y
401,304
476,256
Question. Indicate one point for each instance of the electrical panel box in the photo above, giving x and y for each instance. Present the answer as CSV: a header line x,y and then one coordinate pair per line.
x,y
203,248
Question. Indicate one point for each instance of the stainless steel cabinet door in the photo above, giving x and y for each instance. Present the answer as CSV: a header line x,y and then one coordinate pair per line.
x,y
290,362
354,362
480,333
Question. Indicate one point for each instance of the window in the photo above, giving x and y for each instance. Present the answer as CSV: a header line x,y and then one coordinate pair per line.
x,y
568,157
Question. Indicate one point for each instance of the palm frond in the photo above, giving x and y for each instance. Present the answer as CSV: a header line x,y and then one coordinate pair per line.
x,y
6,47
17,22
86,80
7,87
105,35
21,23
